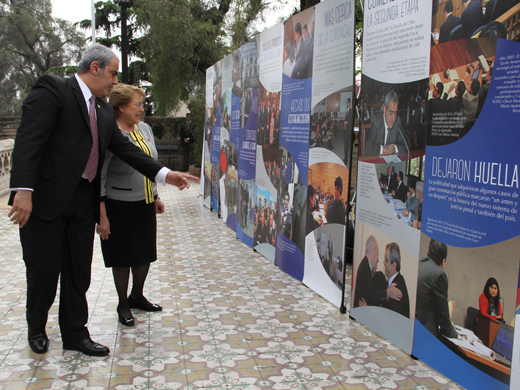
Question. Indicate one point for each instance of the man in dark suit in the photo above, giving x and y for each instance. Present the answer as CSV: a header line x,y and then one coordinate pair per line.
x,y
390,182
432,292
187,132
400,189
65,130
472,17
286,217
367,291
336,212
386,135
330,247
450,23
392,264
348,131
300,64
436,104
310,223
455,103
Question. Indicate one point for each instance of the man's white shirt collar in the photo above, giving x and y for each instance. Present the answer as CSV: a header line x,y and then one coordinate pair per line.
x,y
84,90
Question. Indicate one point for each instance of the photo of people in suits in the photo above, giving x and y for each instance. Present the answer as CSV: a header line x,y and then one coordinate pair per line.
x,y
268,117
246,208
329,182
329,244
463,19
245,77
265,218
384,273
450,294
332,122
402,193
299,45
393,119
458,87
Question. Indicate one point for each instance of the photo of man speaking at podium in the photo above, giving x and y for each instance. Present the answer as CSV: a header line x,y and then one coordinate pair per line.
x,y
386,135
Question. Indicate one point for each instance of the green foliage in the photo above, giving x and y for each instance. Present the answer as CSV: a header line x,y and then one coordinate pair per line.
x,y
304,4
62,71
31,43
196,106
241,27
108,19
183,39
358,39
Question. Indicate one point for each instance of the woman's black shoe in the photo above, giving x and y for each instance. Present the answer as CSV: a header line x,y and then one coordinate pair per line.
x,y
146,306
128,321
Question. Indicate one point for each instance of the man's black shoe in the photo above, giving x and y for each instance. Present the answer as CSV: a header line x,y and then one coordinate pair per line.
x,y
39,343
88,347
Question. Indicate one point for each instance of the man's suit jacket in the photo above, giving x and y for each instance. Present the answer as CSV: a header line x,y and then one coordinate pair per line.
x,y
432,299
376,137
472,18
414,114
336,212
54,140
392,184
450,23
300,64
365,286
412,205
435,106
454,104
403,306
400,192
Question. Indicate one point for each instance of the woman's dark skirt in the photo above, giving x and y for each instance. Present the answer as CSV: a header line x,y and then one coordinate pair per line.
x,y
133,234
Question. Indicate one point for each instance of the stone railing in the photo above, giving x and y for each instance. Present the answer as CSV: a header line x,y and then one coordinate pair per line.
x,y
8,127
6,152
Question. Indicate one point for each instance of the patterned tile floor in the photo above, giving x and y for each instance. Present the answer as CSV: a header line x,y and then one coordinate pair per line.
x,y
231,320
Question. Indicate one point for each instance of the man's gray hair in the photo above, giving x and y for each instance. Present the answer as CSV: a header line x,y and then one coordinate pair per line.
x,y
102,54
391,95
419,187
371,242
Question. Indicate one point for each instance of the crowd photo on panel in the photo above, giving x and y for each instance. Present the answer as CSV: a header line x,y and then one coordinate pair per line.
x,y
403,194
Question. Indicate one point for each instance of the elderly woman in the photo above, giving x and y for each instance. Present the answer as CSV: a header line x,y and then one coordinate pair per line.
x,y
129,205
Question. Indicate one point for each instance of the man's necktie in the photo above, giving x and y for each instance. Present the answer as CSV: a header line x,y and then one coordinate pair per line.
x,y
387,136
92,164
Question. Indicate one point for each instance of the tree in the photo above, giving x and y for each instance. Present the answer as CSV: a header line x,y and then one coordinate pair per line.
x,y
108,18
31,43
183,38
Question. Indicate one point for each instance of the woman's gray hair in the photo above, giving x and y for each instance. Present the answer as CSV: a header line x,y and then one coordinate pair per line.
x,y
102,54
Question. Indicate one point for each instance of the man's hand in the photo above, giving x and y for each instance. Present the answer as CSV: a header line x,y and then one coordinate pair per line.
x,y
22,207
362,302
394,293
405,212
179,179
159,206
388,150
103,227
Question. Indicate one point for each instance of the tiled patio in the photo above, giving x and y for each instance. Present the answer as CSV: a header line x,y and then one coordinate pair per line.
x,y
231,320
